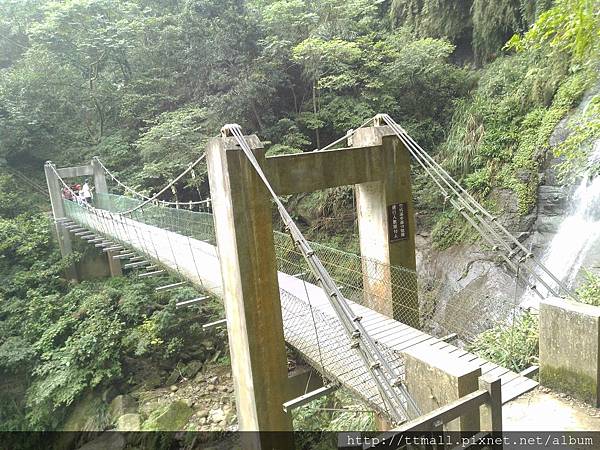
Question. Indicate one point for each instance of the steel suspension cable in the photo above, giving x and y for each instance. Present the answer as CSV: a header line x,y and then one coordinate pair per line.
x,y
143,196
389,384
465,200
466,204
488,232
168,186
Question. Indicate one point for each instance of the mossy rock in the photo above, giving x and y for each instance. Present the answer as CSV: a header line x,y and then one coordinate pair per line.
x,y
129,422
89,414
171,417
152,380
192,369
121,405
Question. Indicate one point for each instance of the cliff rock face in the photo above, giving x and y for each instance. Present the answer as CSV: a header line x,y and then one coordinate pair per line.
x,y
463,289
466,287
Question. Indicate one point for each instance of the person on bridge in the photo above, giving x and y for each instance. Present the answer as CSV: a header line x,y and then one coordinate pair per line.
x,y
86,192
66,194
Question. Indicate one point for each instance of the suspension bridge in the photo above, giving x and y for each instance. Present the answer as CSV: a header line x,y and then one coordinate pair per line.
x,y
351,317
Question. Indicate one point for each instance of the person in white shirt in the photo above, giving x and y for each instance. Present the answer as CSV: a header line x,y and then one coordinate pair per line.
x,y
86,192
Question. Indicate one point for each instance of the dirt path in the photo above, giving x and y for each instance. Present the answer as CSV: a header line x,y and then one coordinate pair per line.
x,y
544,410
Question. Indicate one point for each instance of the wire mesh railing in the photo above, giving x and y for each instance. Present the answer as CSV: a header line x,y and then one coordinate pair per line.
x,y
322,342
313,332
309,328
416,299
195,224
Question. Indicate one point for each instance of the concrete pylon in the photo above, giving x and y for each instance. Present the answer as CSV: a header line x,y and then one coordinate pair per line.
x,y
244,234
99,178
386,223
114,265
58,213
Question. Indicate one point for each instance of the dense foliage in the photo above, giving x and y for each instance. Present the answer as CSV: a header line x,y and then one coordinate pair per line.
x,y
134,81
480,26
515,347
500,135
59,340
144,83
589,291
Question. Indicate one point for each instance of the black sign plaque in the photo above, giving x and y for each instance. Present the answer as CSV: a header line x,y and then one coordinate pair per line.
x,y
398,222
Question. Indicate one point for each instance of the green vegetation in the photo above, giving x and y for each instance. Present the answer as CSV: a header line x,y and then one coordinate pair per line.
x,y
479,25
59,341
589,291
133,81
513,346
144,83
585,127
500,135
449,229
334,412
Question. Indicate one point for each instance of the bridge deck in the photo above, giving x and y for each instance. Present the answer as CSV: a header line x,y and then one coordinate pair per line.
x,y
310,324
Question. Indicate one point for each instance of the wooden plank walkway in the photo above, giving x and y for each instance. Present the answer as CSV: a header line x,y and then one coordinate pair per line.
x,y
310,324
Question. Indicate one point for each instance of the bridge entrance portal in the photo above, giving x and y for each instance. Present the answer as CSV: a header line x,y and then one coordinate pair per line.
x,y
379,165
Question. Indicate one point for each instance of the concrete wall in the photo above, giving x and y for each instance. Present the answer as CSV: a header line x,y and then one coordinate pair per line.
x,y
434,379
569,346
93,263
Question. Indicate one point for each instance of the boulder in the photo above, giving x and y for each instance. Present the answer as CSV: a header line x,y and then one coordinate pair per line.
x,y
151,405
172,379
129,422
108,440
84,416
192,368
152,380
171,417
217,415
121,405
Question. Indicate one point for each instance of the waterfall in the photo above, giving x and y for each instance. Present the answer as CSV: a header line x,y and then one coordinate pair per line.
x,y
577,233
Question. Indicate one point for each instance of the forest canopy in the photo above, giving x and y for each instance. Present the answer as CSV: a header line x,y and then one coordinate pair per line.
x,y
132,81
122,78
481,85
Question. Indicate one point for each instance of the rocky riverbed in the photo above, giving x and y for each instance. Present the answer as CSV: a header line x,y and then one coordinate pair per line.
x,y
194,399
